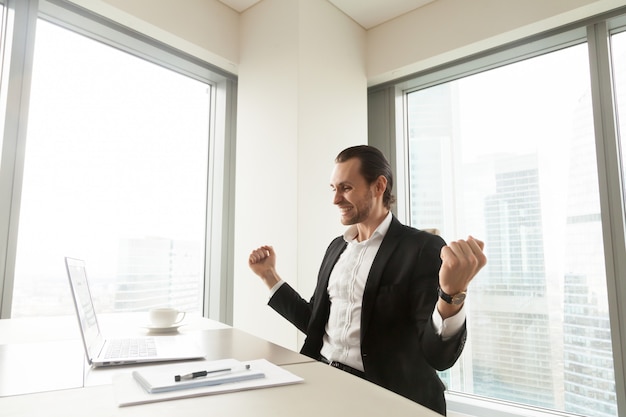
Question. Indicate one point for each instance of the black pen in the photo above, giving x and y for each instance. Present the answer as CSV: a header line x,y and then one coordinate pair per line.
x,y
200,374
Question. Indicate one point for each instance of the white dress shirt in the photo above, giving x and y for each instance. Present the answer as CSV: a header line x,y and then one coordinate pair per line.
x,y
342,341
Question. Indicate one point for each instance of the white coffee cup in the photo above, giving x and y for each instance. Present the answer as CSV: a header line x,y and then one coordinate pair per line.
x,y
166,317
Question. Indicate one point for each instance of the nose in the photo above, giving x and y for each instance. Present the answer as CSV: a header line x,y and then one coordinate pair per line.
x,y
337,197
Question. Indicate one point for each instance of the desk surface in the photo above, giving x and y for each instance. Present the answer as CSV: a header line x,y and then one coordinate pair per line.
x,y
218,344
53,343
67,387
59,328
326,391
40,329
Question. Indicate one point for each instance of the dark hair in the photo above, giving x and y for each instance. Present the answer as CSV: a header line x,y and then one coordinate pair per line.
x,y
373,165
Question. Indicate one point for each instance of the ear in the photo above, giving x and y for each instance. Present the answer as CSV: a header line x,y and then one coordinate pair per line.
x,y
380,185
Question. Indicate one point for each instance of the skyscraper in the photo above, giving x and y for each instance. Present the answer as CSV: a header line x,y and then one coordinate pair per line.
x,y
589,380
512,353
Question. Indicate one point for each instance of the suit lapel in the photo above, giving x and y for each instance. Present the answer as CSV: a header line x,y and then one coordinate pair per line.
x,y
387,247
331,258
322,304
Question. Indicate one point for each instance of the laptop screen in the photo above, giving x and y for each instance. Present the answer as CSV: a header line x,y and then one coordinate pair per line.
x,y
84,305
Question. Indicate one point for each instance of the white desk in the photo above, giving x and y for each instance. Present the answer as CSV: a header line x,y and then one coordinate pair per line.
x,y
53,344
62,328
325,392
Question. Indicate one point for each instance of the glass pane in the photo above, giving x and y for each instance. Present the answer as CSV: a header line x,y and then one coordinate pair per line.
x,y
116,174
508,155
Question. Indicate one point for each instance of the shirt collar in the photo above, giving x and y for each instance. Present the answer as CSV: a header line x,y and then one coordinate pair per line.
x,y
351,232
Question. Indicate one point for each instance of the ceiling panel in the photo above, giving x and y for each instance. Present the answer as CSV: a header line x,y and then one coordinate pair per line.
x,y
367,13
370,13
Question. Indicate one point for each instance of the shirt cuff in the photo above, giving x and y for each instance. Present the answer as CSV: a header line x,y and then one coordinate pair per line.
x,y
450,326
275,288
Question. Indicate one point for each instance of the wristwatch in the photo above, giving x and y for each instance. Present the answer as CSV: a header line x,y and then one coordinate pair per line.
x,y
455,299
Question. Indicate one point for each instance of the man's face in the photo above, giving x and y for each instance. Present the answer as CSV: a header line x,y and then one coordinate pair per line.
x,y
352,194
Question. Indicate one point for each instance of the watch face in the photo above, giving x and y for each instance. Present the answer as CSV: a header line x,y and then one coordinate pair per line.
x,y
458,298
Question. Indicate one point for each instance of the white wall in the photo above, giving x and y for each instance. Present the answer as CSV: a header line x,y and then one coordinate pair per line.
x,y
445,30
302,98
439,32
204,28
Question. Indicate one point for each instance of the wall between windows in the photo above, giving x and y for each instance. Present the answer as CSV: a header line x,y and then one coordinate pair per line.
x,y
302,98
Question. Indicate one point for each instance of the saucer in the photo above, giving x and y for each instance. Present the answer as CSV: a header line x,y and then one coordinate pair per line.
x,y
158,329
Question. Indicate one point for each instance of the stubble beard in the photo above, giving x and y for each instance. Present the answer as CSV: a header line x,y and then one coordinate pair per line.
x,y
362,212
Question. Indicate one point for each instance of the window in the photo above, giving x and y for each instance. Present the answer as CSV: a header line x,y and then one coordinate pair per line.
x,y
503,146
115,173
123,163
509,155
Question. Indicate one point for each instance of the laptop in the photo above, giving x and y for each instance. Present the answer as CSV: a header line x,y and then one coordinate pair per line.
x,y
108,352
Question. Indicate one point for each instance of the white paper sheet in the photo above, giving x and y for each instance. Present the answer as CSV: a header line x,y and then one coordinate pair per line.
x,y
129,392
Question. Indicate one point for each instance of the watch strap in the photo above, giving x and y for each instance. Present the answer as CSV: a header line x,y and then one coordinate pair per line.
x,y
455,299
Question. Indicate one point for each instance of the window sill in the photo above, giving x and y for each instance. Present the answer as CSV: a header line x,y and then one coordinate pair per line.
x,y
463,405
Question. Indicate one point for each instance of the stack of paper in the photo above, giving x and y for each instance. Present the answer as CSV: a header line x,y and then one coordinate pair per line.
x,y
158,383
155,380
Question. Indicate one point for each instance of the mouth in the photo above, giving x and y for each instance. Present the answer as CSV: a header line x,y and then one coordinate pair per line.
x,y
344,210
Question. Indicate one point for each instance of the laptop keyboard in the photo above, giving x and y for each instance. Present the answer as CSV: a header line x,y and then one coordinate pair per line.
x,y
131,348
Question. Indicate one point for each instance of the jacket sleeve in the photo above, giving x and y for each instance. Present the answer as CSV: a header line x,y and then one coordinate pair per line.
x,y
309,317
440,354
288,303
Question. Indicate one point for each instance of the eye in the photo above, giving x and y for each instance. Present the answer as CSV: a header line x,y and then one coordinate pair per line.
x,y
341,188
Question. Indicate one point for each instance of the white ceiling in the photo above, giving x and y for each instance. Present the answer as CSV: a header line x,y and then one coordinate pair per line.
x,y
367,13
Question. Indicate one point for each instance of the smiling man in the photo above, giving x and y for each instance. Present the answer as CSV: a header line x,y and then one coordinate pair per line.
x,y
389,301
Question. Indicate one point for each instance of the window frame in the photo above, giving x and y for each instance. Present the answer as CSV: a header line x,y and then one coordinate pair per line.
x,y
387,129
23,15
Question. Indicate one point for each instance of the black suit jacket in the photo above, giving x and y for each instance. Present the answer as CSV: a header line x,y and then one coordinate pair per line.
x,y
399,346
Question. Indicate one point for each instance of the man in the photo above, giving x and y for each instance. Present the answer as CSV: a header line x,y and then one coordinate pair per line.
x,y
389,300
